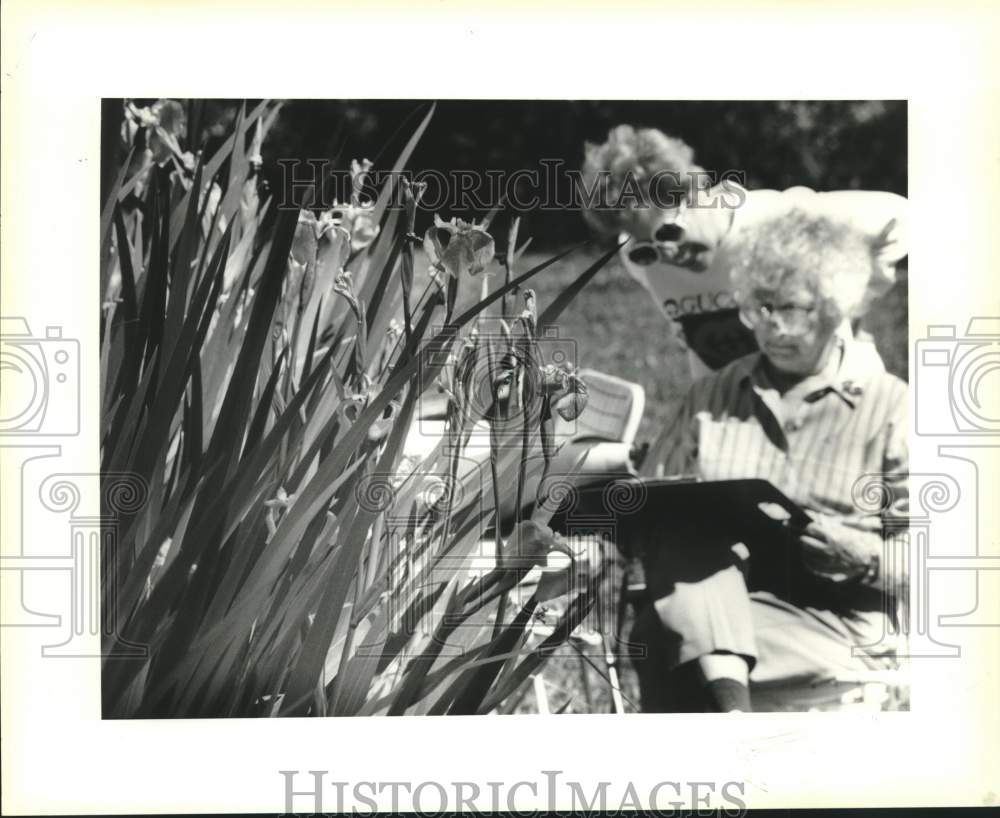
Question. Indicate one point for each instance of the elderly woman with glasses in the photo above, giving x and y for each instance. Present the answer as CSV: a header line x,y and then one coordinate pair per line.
x,y
681,225
813,417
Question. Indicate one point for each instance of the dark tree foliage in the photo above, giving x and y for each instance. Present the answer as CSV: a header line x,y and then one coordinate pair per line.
x,y
826,145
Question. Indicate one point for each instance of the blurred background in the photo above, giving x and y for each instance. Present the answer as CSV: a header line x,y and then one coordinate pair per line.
x,y
823,145
826,145
612,325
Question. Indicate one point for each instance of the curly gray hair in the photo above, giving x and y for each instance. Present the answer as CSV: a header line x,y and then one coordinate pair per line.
x,y
643,157
834,258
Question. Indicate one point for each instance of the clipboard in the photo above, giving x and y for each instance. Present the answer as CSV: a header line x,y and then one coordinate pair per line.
x,y
730,506
683,530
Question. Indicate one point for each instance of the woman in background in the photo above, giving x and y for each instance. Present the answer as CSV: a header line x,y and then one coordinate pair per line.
x,y
681,227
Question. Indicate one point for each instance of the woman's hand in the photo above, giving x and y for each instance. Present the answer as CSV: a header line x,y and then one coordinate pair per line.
x,y
836,551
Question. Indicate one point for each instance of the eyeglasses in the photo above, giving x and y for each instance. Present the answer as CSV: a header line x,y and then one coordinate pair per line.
x,y
794,317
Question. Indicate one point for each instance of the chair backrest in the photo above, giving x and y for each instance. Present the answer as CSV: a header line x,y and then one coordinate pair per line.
x,y
614,409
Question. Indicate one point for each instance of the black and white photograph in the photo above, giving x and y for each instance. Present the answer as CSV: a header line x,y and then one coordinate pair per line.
x,y
552,406
606,401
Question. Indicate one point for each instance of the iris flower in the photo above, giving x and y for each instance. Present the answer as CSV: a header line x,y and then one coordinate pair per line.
x,y
567,392
458,247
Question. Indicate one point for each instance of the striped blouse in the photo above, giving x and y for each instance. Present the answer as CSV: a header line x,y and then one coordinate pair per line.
x,y
817,443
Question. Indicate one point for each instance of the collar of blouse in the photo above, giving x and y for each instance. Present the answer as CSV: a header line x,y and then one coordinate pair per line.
x,y
858,363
